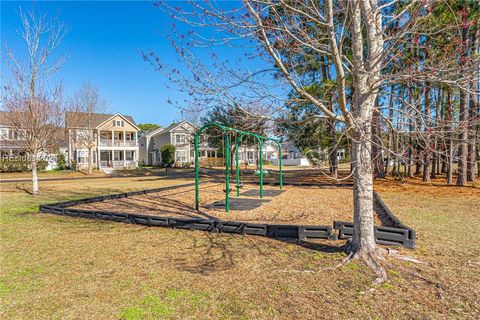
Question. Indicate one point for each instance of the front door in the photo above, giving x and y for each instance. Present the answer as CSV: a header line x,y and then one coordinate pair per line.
x,y
105,158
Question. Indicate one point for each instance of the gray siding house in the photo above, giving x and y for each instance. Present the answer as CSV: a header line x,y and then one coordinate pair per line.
x,y
180,134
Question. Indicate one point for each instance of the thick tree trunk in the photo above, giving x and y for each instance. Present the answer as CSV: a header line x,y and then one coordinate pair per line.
x,y
363,235
363,243
35,189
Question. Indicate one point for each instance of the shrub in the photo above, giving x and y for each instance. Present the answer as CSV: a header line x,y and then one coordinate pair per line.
x,y
61,163
21,165
14,166
168,155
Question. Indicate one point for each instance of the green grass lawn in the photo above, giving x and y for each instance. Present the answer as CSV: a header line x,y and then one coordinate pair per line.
x,y
56,267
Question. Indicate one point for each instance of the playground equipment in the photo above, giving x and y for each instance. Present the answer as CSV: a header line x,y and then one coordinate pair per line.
x,y
226,130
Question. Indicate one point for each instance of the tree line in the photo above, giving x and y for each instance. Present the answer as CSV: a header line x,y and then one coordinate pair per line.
x,y
397,79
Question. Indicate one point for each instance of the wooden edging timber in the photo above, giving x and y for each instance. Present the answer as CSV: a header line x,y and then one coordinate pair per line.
x,y
395,233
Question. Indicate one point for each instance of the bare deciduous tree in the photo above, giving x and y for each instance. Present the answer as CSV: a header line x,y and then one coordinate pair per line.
x,y
85,104
34,106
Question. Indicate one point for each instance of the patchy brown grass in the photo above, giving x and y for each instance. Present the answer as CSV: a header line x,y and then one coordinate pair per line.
x,y
60,267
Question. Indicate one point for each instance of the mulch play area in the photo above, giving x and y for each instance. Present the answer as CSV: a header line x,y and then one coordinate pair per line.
x,y
292,205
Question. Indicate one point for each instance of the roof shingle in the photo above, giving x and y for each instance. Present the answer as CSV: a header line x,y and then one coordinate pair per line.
x,y
81,119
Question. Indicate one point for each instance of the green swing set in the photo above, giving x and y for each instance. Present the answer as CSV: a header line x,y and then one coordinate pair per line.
x,y
261,173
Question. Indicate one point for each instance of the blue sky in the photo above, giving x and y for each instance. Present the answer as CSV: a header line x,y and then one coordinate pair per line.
x,y
103,47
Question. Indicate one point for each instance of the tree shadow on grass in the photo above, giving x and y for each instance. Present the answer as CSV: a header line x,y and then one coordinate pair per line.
x,y
221,252
24,189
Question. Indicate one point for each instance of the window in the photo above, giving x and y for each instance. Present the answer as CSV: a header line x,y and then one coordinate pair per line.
x,y
181,156
118,155
129,155
180,138
118,123
156,157
82,156
4,133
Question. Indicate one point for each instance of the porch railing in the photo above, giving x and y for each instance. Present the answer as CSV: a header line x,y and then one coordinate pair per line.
x,y
106,143
117,143
118,164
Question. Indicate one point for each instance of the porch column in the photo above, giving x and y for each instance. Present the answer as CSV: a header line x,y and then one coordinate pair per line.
x,y
136,138
98,157
113,143
124,157
123,140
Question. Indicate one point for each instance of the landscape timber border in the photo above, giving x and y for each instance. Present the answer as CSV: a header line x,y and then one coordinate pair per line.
x,y
393,233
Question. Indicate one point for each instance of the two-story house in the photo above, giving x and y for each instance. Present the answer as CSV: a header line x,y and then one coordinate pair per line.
x,y
180,135
15,143
10,144
111,138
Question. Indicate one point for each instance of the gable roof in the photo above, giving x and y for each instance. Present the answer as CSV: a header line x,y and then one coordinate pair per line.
x,y
79,119
177,124
174,125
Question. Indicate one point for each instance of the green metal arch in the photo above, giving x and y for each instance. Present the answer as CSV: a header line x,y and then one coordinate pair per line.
x,y
261,140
